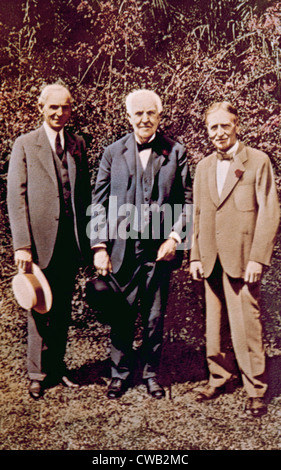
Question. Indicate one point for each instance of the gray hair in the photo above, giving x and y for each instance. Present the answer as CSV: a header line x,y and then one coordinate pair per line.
x,y
225,106
130,97
49,88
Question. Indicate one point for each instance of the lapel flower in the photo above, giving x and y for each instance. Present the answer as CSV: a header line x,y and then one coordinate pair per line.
x,y
165,152
239,173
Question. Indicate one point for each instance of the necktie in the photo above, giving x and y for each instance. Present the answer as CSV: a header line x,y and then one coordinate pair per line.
x,y
146,145
224,155
59,149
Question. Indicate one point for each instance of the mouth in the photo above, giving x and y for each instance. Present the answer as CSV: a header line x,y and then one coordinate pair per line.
x,y
221,141
58,121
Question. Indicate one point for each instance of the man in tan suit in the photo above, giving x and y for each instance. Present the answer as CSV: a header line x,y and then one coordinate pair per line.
x,y
236,217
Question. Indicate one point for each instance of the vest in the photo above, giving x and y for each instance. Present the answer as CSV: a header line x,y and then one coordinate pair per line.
x,y
144,184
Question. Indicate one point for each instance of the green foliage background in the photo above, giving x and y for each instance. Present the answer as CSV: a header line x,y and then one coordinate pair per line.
x,y
190,52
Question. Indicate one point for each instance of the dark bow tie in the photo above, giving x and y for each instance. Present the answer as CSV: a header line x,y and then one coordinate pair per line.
x,y
224,156
146,145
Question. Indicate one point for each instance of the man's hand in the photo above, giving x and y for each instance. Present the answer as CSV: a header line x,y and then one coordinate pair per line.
x,y
102,262
23,260
196,270
253,272
167,250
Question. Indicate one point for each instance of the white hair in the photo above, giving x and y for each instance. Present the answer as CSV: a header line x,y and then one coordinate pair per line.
x,y
154,96
49,88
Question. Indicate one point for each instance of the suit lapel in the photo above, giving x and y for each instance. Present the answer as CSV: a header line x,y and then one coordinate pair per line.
x,y
130,154
158,161
212,178
45,154
234,174
161,147
71,164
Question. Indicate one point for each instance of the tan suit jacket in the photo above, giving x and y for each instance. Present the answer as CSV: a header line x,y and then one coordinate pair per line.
x,y
241,225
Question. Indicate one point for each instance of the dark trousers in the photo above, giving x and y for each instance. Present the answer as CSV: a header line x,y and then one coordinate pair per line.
x,y
144,284
47,333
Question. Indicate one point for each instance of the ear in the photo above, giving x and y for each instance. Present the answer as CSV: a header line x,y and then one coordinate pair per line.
x,y
129,118
40,108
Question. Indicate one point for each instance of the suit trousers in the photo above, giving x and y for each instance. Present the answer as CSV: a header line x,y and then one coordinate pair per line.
x,y
47,333
232,310
144,284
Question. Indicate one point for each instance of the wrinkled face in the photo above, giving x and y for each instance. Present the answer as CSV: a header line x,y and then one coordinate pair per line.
x,y
144,117
57,109
222,129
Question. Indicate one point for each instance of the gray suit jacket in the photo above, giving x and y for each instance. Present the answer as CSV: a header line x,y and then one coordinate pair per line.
x,y
116,188
33,193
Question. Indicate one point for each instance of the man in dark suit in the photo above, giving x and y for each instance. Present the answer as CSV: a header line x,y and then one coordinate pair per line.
x,y
48,194
236,217
142,182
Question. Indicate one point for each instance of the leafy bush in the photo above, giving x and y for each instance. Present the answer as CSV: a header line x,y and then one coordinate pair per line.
x,y
191,53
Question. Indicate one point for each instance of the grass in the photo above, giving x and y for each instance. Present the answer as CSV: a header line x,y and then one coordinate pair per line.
x,y
86,420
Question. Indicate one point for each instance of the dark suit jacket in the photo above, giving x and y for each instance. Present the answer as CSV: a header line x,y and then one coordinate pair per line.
x,y
242,223
116,187
33,193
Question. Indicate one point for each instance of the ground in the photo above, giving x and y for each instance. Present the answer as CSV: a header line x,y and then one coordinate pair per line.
x,y
66,419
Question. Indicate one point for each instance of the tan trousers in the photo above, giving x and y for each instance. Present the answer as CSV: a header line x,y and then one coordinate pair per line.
x,y
232,306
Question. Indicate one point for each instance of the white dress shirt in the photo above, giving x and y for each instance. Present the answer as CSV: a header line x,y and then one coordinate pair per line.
x,y
145,154
223,167
52,134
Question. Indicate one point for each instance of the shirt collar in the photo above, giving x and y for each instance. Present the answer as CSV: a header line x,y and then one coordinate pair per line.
x,y
150,140
52,134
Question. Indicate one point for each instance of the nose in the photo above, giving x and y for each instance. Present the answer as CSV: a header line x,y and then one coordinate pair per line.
x,y
220,130
59,111
145,117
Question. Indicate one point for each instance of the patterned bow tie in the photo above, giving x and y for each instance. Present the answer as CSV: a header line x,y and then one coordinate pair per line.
x,y
146,145
224,155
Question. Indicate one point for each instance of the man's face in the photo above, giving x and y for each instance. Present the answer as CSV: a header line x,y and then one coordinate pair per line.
x,y
222,129
57,109
144,117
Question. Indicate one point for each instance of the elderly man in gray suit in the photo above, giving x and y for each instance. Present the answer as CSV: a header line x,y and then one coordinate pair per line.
x,y
48,195
143,190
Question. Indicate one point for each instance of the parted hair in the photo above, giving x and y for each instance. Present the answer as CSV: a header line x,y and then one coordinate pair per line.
x,y
225,105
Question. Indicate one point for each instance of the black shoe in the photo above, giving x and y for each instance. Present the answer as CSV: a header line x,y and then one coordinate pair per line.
x,y
256,407
116,388
154,388
208,393
36,389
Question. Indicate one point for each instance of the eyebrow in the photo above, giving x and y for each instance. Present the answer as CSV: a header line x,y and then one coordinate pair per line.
x,y
223,124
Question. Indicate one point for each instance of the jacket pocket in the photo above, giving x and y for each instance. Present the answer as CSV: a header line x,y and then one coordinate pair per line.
x,y
245,197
